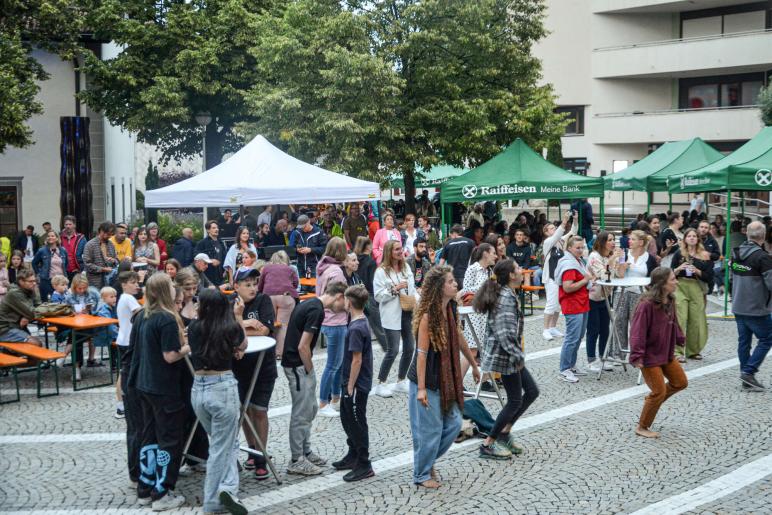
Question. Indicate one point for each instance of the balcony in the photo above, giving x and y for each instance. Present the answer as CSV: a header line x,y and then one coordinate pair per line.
x,y
723,124
655,6
690,57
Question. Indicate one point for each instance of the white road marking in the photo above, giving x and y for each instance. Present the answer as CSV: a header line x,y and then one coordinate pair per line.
x,y
296,491
712,490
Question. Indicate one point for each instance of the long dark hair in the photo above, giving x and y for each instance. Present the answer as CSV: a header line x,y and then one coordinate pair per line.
x,y
487,297
655,293
218,327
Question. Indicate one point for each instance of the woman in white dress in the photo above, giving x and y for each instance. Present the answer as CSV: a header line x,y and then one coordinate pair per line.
x,y
483,259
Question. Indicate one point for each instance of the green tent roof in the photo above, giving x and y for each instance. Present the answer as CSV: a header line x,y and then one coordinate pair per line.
x,y
519,173
431,179
749,168
651,172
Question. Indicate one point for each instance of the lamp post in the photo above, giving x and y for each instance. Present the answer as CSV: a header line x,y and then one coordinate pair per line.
x,y
203,119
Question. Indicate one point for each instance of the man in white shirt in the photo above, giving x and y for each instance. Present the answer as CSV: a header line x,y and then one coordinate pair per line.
x,y
265,217
697,203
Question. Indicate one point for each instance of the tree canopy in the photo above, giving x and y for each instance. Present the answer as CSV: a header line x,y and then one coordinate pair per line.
x,y
765,101
53,25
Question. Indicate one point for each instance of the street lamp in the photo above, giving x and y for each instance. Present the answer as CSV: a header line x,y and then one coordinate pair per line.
x,y
204,119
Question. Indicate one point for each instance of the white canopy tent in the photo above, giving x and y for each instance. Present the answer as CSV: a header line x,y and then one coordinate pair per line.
x,y
260,174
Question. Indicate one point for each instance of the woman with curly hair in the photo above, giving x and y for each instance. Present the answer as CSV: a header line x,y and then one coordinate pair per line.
x,y
436,392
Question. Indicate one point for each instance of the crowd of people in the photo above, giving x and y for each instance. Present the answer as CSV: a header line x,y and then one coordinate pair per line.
x,y
377,275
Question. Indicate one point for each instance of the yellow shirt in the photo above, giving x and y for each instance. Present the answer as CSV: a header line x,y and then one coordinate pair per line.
x,y
123,250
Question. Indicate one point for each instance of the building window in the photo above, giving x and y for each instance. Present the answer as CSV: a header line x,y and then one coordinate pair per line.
x,y
575,119
9,210
720,91
576,165
726,20
618,166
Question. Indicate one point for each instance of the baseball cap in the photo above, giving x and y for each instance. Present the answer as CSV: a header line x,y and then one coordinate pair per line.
x,y
202,257
245,272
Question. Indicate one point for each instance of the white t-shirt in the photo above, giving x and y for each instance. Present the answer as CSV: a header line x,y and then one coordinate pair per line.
x,y
697,204
637,267
127,305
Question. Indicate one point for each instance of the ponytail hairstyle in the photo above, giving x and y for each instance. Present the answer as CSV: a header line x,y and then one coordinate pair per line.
x,y
481,249
641,235
487,297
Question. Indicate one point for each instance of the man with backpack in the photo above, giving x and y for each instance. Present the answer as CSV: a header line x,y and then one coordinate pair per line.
x,y
553,250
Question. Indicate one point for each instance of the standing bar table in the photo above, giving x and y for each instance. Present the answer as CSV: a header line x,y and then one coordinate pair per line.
x,y
465,311
622,282
259,344
83,323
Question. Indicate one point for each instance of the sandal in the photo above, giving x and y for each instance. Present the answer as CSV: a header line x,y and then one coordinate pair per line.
x,y
430,484
681,359
696,356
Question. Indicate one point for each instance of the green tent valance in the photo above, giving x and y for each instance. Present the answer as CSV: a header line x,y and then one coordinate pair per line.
x,y
431,179
749,168
519,173
651,173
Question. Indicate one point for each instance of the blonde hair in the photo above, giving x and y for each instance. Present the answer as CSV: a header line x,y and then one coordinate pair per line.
x,y
159,299
387,263
259,264
573,240
280,258
640,235
684,248
78,280
336,249
58,280
186,277
107,290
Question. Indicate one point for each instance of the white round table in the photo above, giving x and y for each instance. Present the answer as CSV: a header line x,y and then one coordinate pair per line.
x,y
259,343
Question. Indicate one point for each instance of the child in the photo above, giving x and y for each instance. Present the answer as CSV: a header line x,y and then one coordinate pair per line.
x,y
17,262
356,381
248,259
4,282
59,283
104,336
624,240
127,307
82,299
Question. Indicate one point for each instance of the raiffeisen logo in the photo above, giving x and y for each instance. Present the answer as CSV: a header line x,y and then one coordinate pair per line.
x,y
688,181
503,189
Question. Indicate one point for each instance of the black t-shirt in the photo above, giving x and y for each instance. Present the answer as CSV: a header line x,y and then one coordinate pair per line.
x,y
152,374
521,254
358,340
306,318
668,234
260,308
456,253
201,362
420,273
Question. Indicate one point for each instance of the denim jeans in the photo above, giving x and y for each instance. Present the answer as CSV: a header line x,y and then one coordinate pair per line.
x,y
536,275
329,386
597,328
433,431
215,400
576,325
748,326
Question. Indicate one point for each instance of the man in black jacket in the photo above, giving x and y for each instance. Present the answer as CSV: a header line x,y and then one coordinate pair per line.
x,y
27,243
310,241
711,245
183,248
214,248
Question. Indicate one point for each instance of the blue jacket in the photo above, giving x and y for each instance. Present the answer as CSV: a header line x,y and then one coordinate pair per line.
x,y
104,336
41,263
316,240
183,251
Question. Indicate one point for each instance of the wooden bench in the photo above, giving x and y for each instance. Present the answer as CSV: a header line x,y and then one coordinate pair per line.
x,y
11,362
531,289
307,296
42,356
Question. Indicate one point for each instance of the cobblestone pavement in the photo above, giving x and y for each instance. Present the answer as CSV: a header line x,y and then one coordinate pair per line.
x,y
67,453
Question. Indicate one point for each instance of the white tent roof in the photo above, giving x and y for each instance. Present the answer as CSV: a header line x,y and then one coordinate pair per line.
x,y
260,174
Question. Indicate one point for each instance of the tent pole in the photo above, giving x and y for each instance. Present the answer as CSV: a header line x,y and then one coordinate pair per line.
x,y
648,203
707,207
623,210
602,213
560,210
670,203
742,204
727,251
548,210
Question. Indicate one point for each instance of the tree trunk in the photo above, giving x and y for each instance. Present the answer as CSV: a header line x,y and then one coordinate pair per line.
x,y
409,178
214,145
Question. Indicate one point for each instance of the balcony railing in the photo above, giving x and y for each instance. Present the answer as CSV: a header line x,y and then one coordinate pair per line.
x,y
683,40
674,111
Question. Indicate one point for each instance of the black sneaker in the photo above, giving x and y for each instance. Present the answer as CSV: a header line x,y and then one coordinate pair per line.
x,y
94,363
487,387
359,474
232,503
119,413
751,383
344,464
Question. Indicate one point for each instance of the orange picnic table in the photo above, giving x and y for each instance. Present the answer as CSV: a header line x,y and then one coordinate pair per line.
x,y
308,282
82,323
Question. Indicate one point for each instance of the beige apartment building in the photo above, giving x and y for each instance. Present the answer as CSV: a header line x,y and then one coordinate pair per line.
x,y
634,74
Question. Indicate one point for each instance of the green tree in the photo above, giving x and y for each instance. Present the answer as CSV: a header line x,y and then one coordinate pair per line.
x,y
391,87
151,179
765,101
52,25
178,59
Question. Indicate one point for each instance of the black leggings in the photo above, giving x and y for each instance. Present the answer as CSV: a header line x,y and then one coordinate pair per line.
x,y
517,402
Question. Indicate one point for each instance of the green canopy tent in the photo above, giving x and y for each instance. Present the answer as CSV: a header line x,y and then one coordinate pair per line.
x,y
519,173
651,173
749,168
431,179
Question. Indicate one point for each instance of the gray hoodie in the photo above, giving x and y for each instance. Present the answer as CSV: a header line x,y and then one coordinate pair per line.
x,y
566,263
751,280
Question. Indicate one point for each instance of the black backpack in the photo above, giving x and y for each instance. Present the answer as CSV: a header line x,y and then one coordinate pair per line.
x,y
555,254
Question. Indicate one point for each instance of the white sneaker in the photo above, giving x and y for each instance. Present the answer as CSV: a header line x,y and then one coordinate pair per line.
x,y
401,387
608,367
568,376
168,502
335,405
188,469
594,366
77,374
60,362
578,372
547,334
383,390
328,411
303,467
556,332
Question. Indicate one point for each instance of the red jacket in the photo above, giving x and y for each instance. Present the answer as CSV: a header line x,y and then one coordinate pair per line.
x,y
654,333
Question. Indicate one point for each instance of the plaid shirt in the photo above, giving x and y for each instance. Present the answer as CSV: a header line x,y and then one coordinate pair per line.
x,y
503,338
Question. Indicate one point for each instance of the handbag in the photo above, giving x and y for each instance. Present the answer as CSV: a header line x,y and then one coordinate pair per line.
x,y
406,302
53,309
